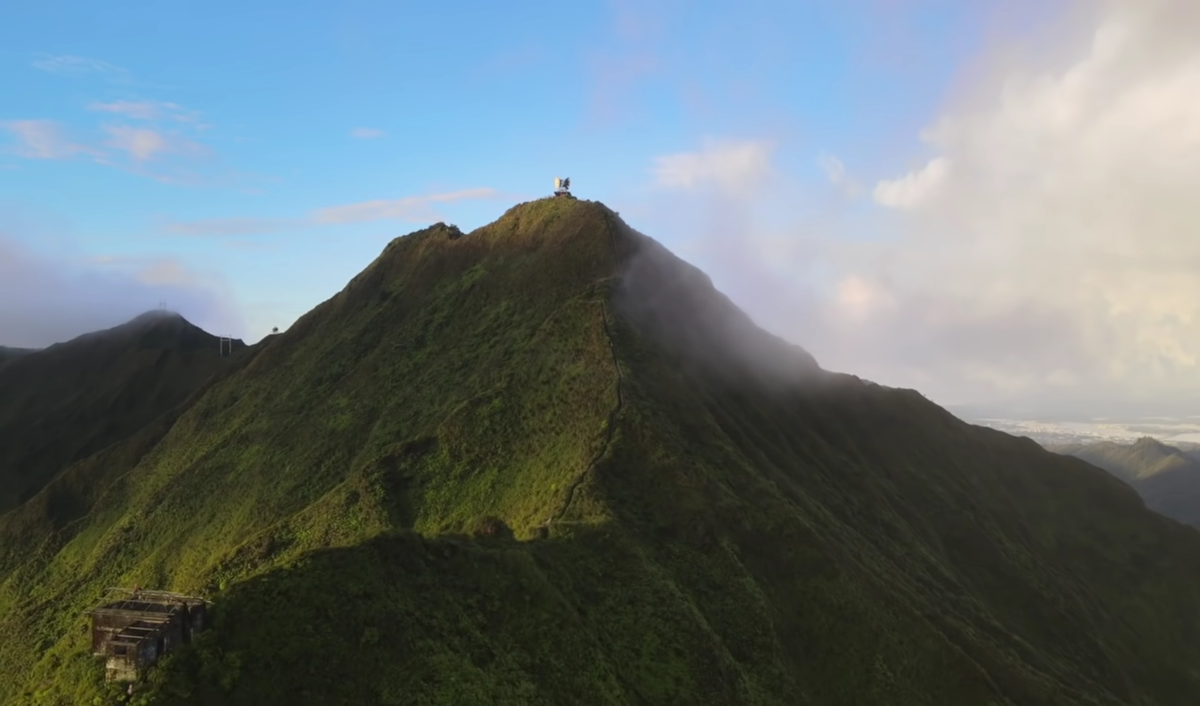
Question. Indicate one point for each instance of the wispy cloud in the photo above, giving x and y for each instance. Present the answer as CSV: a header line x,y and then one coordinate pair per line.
x,y
634,55
164,157
144,144
409,208
734,166
836,172
366,133
147,110
151,138
43,139
235,226
66,63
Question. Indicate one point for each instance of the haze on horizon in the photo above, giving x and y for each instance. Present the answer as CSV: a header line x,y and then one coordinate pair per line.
x,y
993,204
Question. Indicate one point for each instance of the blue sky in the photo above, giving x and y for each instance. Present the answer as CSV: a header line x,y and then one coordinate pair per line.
x,y
207,133
990,201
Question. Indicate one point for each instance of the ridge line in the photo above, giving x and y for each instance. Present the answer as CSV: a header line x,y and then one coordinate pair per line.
x,y
557,518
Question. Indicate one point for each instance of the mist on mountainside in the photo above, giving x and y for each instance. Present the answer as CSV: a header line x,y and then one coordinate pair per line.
x,y
1034,252
548,460
677,306
545,459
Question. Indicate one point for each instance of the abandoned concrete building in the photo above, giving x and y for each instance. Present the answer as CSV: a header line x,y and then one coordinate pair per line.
x,y
137,627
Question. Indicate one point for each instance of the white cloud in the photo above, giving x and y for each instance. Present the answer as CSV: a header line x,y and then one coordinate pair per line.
x,y
43,139
731,166
1060,254
1047,253
366,133
144,144
914,188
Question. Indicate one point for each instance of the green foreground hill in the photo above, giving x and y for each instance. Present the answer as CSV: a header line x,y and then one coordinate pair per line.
x,y
546,462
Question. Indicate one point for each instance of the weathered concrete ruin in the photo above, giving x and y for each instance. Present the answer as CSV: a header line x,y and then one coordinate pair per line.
x,y
134,630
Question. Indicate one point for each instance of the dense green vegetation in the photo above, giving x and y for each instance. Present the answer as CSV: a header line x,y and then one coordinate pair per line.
x,y
546,462
73,399
1167,477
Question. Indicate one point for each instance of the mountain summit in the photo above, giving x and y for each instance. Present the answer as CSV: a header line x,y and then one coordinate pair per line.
x,y
546,462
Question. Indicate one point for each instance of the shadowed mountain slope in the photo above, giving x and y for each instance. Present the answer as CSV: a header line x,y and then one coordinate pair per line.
x,y
7,353
1167,478
66,402
547,462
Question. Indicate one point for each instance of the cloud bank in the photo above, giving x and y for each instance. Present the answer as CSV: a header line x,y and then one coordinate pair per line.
x,y
46,300
1045,252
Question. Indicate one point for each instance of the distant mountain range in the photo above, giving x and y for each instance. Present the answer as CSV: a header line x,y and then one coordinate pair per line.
x,y
547,462
7,354
1167,477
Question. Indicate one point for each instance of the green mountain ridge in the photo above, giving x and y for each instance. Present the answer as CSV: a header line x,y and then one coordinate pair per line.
x,y
8,353
64,403
1167,477
547,462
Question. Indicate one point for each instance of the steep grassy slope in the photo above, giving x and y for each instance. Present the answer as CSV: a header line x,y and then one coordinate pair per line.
x,y
492,471
1167,478
32,532
66,402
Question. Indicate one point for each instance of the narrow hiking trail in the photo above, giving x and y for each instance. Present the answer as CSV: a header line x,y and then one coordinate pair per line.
x,y
612,415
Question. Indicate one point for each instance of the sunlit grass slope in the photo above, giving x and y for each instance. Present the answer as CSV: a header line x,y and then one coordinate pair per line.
x,y
546,462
